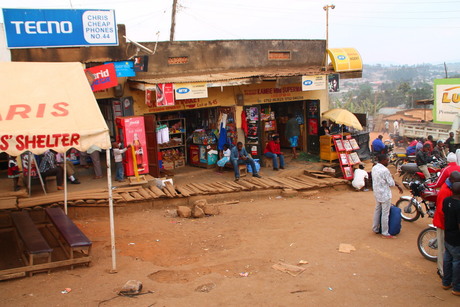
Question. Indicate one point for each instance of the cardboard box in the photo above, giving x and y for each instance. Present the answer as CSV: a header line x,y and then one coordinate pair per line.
x,y
168,165
179,163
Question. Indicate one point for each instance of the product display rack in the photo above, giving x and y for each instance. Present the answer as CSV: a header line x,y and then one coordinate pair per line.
x,y
345,151
173,153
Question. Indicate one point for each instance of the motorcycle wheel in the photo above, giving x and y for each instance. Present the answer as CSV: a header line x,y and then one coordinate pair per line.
x,y
409,210
399,163
427,244
408,178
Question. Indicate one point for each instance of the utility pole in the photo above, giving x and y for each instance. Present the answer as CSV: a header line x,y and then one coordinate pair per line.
x,y
173,21
326,8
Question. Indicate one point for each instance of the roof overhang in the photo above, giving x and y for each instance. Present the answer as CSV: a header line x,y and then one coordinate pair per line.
x,y
235,78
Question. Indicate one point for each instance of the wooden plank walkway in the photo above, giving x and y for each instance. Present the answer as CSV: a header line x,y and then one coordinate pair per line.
x,y
149,192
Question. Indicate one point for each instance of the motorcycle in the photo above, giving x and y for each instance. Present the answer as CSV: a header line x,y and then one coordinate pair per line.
x,y
410,172
427,243
402,159
411,206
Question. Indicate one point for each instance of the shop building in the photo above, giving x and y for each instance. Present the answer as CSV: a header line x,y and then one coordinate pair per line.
x,y
246,87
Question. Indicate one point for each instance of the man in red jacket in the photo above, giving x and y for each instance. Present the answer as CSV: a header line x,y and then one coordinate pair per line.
x,y
438,219
273,151
446,171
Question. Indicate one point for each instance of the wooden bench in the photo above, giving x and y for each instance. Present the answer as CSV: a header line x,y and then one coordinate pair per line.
x,y
242,168
33,243
75,239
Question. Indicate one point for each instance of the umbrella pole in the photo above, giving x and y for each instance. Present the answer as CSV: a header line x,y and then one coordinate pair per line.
x,y
112,226
65,182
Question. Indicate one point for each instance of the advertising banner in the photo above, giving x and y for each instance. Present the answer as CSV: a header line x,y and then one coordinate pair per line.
x,y
165,94
345,59
191,90
311,83
104,77
333,81
141,63
446,100
134,134
124,68
36,28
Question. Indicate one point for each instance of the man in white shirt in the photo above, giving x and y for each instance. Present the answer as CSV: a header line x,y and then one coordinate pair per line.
x,y
381,183
396,127
359,178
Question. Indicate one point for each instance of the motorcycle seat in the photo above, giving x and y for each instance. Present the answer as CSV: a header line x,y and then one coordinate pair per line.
x,y
410,168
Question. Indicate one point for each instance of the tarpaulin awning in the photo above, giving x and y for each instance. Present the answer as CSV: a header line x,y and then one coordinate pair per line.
x,y
48,106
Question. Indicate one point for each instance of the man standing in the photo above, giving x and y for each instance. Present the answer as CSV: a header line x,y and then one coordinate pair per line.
x,y
239,156
451,209
292,133
450,142
381,183
438,219
422,158
387,127
396,127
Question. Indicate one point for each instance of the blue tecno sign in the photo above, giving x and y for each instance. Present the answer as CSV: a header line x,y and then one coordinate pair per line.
x,y
341,57
307,82
31,28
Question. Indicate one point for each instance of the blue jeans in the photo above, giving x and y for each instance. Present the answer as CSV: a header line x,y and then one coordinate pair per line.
x,y
119,171
236,162
275,157
451,267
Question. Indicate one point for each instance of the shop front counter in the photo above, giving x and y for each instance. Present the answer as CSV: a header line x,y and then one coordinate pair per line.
x,y
202,155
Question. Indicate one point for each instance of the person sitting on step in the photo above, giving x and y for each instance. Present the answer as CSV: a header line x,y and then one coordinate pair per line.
x,y
273,151
239,155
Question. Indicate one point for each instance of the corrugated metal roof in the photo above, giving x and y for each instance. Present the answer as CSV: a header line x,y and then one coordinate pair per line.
x,y
231,75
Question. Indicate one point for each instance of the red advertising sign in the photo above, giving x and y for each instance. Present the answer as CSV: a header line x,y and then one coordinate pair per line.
x,y
149,98
165,94
134,134
105,77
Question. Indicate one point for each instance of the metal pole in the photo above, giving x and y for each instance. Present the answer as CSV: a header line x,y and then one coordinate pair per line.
x,y
29,176
65,182
326,8
112,226
173,21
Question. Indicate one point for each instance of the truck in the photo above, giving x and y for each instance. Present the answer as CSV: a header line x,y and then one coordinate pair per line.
x,y
438,131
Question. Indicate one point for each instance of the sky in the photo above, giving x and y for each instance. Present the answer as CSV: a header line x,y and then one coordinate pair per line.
x,y
400,32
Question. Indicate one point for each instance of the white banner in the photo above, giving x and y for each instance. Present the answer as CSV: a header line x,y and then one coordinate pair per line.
x,y
191,90
312,83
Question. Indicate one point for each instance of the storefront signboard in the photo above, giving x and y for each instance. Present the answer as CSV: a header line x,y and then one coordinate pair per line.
x,y
36,28
124,68
191,90
164,94
311,83
446,100
345,59
104,77
273,94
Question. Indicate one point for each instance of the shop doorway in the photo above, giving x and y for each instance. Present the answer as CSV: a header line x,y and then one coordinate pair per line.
x,y
313,123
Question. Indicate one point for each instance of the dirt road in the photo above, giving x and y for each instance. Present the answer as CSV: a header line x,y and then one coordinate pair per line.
x,y
173,256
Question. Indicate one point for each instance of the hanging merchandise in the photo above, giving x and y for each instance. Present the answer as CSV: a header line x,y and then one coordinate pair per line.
x,y
162,134
222,136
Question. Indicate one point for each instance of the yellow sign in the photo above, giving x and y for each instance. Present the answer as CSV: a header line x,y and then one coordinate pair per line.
x,y
345,59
